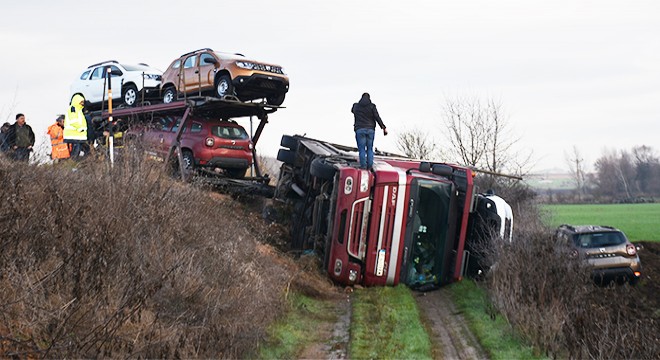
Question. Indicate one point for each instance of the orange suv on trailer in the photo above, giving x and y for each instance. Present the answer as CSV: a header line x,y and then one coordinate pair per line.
x,y
206,71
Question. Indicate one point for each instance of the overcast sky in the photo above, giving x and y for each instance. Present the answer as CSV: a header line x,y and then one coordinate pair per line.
x,y
568,73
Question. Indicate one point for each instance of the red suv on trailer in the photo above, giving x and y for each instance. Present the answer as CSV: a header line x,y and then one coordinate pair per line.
x,y
205,142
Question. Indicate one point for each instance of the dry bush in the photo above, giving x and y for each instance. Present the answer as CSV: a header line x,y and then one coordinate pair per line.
x,y
123,262
549,297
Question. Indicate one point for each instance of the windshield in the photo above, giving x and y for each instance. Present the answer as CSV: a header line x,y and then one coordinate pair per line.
x,y
599,239
428,230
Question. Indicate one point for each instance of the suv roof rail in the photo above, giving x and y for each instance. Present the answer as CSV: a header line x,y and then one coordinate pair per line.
x,y
570,227
103,62
192,52
143,64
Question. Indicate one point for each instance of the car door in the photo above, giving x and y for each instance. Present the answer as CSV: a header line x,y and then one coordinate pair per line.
x,y
190,74
94,86
207,71
116,79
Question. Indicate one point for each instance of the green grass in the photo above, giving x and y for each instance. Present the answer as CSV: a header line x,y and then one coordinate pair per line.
x,y
386,325
637,221
494,334
289,336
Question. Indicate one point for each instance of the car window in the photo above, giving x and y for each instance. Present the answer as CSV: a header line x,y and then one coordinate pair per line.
x,y
205,56
230,132
175,128
190,62
196,127
85,75
114,68
176,64
163,123
600,239
97,73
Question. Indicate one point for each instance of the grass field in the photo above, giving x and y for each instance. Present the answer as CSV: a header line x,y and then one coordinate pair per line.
x,y
638,221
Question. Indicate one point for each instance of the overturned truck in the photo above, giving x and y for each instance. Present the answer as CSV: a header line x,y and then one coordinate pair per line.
x,y
404,221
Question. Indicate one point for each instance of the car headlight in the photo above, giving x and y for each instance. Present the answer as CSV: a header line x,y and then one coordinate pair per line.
x,y
151,76
246,65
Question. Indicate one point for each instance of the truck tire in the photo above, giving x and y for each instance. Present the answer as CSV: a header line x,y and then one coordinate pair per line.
x,y
286,156
289,142
322,169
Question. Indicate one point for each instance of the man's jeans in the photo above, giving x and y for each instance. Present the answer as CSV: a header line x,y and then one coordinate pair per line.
x,y
365,144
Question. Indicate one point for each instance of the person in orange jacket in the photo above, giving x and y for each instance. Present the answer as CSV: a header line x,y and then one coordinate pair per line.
x,y
60,150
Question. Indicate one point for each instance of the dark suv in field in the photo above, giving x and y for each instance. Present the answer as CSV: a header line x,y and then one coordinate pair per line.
x,y
205,142
606,249
206,71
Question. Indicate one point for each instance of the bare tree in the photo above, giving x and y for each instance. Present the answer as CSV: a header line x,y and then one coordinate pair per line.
x,y
416,144
479,135
576,168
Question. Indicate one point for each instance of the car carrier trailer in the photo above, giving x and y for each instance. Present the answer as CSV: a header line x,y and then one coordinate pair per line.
x,y
405,221
121,120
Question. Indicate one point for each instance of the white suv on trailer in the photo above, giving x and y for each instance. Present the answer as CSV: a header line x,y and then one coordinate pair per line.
x,y
128,82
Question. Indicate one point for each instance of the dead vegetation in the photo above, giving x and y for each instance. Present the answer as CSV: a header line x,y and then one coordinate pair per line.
x,y
550,299
123,262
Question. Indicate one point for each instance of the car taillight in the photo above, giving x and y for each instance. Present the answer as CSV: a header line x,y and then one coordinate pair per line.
x,y
209,141
630,249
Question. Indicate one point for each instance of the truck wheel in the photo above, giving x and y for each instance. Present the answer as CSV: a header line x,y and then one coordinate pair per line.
x,y
169,95
130,95
224,86
322,169
286,156
289,142
276,100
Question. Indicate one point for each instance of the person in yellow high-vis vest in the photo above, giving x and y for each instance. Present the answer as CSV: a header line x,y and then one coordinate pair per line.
x,y
59,149
75,126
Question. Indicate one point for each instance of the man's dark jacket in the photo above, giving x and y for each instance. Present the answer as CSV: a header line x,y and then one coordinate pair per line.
x,y
11,135
366,115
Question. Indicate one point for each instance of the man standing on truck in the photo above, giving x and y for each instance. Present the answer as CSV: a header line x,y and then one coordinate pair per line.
x,y
366,117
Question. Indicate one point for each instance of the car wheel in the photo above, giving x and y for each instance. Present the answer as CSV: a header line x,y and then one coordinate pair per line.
x,y
236,173
276,100
289,142
169,95
224,86
130,95
188,161
322,169
286,156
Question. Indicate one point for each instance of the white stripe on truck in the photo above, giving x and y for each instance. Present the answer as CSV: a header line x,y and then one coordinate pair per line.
x,y
398,222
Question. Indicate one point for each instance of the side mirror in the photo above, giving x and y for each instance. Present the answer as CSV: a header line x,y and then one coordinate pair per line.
x,y
442,170
210,60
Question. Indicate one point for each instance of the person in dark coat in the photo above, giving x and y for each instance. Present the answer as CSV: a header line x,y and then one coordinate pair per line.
x,y
366,117
4,138
21,139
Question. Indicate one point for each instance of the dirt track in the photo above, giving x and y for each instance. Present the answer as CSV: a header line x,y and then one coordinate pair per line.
x,y
451,336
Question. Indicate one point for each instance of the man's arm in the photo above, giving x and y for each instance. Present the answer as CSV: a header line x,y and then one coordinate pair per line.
x,y
378,120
